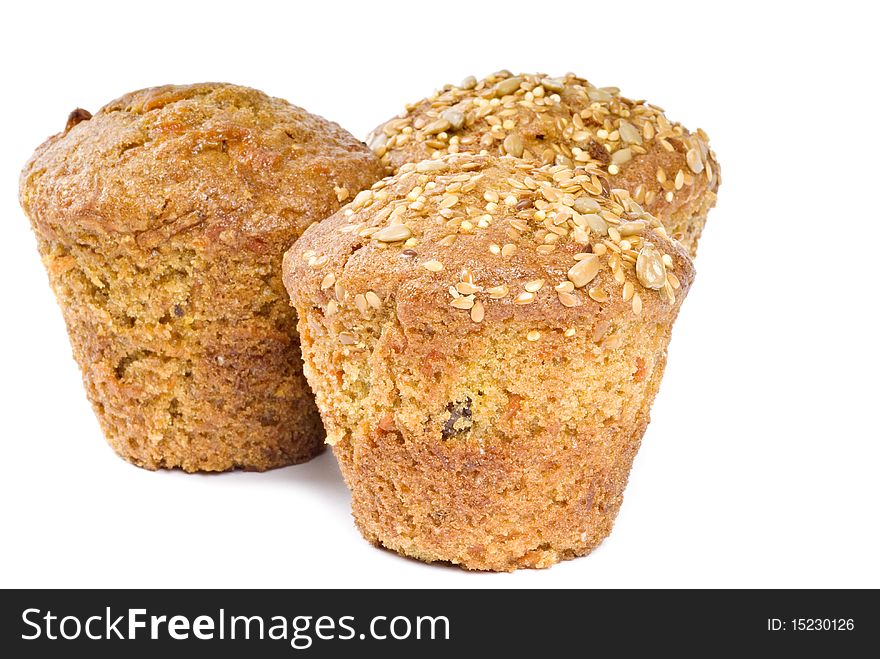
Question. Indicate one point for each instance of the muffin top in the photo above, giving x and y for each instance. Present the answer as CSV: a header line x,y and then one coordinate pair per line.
x,y
228,165
468,240
563,121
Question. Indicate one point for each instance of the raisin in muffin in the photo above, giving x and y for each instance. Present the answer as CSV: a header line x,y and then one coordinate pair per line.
x,y
162,220
485,339
668,170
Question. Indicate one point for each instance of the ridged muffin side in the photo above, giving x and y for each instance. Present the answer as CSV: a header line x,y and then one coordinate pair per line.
x,y
161,221
485,339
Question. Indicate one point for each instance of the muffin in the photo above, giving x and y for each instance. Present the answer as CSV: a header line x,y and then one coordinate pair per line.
x,y
485,339
162,221
668,170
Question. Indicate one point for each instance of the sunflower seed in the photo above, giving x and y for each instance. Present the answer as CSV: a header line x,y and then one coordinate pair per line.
x,y
454,117
694,161
629,133
553,84
650,269
584,271
437,126
508,86
513,145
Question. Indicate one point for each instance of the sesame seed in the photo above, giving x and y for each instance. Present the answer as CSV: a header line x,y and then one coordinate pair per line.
x,y
567,299
628,229
621,157
669,197
393,233
628,290
360,301
361,198
328,281
534,335
448,201
508,250
679,180
341,193
524,298
494,249
432,266
467,288
598,295
613,169
667,260
373,300
498,292
637,304
571,331
478,312
534,286
565,286
430,166
317,262
463,302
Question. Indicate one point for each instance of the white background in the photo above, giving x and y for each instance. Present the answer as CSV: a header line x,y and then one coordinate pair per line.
x,y
760,467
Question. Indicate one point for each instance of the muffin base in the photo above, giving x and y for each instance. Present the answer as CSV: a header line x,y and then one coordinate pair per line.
x,y
487,450
185,366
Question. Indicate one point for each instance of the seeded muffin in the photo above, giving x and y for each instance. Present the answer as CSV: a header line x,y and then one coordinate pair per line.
x,y
670,171
162,220
485,340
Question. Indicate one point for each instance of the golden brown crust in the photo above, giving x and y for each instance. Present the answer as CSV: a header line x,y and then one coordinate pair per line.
x,y
162,220
484,392
223,163
511,225
565,120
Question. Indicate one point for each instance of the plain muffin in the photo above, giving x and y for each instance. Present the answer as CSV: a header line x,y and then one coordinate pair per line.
x,y
161,221
485,339
628,144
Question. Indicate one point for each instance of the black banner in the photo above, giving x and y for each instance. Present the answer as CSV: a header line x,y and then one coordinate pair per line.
x,y
318,623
